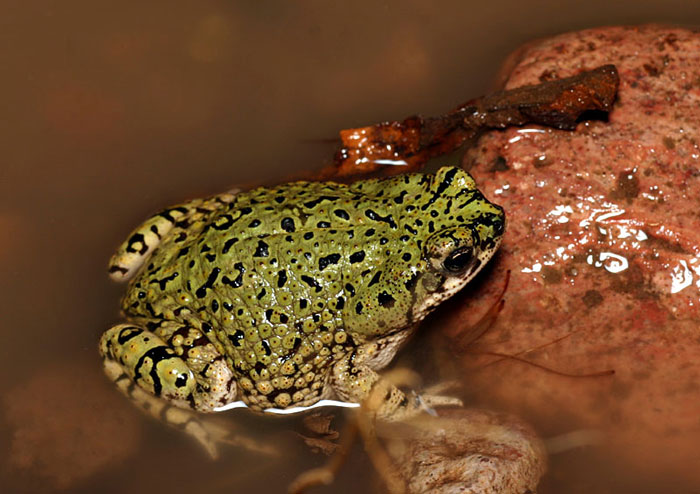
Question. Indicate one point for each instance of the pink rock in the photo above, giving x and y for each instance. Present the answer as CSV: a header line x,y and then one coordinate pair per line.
x,y
603,245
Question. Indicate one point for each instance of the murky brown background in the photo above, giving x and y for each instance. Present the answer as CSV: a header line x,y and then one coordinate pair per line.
x,y
111,110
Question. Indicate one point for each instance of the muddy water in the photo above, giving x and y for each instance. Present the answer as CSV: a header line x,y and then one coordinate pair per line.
x,y
111,111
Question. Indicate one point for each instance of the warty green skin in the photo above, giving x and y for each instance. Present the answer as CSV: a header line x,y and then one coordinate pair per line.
x,y
282,296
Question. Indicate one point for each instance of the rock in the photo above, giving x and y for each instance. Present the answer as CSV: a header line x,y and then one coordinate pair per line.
x,y
603,245
469,452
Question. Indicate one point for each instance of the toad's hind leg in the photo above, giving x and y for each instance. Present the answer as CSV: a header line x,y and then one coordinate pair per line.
x,y
134,252
138,247
170,381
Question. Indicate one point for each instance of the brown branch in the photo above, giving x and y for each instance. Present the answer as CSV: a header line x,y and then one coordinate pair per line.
x,y
409,144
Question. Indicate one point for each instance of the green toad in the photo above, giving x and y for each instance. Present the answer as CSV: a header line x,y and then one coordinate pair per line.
x,y
283,296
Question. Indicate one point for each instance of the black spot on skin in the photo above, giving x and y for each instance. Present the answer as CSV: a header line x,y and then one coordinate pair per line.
x,y
375,279
239,279
357,256
236,337
288,225
268,314
411,283
326,261
350,289
182,252
406,257
206,327
341,213
261,294
181,237
192,263
323,224
281,278
311,282
254,224
404,238
340,303
449,176
214,305
227,306
370,232
118,269
266,347
223,225
434,214
135,239
316,202
284,318
128,333
316,317
181,380
386,300
371,214
166,213
358,308
210,257
399,199
164,281
279,199
240,312
262,249
156,355
246,210
202,290
410,230
303,303
308,235
142,294
383,241
228,244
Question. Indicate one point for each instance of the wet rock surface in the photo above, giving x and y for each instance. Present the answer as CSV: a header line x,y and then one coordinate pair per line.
x,y
603,245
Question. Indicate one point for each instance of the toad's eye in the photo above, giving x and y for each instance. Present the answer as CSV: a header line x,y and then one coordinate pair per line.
x,y
459,260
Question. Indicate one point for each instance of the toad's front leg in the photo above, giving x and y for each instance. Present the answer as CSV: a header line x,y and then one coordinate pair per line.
x,y
354,381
